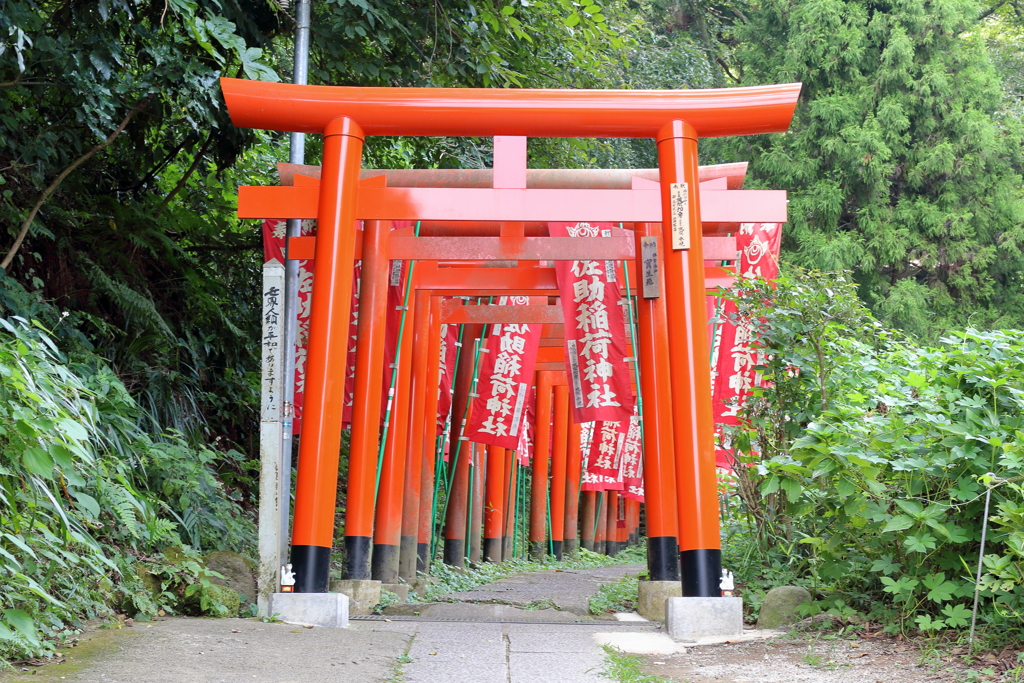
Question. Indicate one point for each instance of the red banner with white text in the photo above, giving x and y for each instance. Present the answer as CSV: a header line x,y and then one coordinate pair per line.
x,y
524,452
606,447
735,353
632,462
596,479
505,378
446,369
595,331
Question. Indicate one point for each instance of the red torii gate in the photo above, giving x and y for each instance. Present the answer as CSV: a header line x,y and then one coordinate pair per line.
x,y
477,241
675,119
662,536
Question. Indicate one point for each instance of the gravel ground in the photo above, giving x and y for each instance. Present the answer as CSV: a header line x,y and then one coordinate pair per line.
x,y
811,658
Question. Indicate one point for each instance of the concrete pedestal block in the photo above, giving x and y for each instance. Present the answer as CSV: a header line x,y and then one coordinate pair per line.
x,y
311,609
690,619
399,589
653,594
363,595
420,586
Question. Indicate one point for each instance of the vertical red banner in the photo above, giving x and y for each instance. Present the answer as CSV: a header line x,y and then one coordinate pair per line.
x,y
449,352
592,481
606,447
595,479
506,374
595,331
632,462
524,452
735,350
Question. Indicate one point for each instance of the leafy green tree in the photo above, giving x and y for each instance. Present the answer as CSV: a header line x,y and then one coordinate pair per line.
x,y
545,43
899,164
542,44
113,148
865,468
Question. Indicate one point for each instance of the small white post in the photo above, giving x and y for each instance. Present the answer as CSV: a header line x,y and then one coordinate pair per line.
x,y
271,399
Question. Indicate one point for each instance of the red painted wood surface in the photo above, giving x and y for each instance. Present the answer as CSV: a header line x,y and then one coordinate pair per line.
x,y
487,112
513,205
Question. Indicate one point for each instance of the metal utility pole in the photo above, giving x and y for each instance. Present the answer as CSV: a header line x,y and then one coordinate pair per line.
x,y
296,155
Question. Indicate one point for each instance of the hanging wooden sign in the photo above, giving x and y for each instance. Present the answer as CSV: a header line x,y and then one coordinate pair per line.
x,y
649,268
680,216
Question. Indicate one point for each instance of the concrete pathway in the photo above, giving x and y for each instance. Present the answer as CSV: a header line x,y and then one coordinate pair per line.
x,y
183,650
568,589
509,652
460,642
488,637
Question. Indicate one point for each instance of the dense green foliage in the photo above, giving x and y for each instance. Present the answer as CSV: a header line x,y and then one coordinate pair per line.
x,y
89,501
900,165
872,460
626,668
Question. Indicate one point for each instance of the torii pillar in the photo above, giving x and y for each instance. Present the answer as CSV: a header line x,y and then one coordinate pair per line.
x,y
700,554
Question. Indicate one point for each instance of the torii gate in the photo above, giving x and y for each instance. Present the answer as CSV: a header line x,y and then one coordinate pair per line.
x,y
720,213
662,536
675,119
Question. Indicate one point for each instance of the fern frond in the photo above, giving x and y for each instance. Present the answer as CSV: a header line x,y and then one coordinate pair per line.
x,y
136,306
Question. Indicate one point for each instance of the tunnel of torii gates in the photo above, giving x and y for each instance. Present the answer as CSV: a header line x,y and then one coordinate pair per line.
x,y
478,239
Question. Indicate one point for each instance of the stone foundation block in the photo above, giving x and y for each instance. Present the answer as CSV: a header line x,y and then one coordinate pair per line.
x,y
311,609
781,606
400,589
690,619
420,586
653,594
363,595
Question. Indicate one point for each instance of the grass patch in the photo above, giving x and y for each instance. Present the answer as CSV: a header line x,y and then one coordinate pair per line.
x,y
399,673
387,598
626,668
620,596
634,554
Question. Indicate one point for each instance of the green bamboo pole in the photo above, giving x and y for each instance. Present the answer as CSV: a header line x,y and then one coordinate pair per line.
x,y
515,513
477,352
597,514
504,513
551,541
438,473
394,374
457,446
474,389
518,506
469,511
